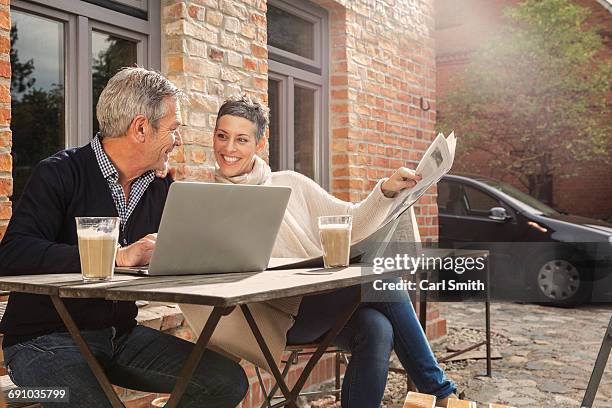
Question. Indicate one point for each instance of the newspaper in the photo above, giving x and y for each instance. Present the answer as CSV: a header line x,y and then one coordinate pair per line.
x,y
435,163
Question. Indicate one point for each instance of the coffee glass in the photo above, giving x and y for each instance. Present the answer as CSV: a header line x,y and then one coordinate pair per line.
x,y
335,235
97,246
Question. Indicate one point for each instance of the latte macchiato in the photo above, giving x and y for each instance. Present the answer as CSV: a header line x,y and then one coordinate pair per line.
x,y
335,235
97,247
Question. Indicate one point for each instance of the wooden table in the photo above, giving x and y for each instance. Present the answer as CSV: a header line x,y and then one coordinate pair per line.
x,y
224,292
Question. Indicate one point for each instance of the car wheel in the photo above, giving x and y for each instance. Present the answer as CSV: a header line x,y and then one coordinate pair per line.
x,y
560,282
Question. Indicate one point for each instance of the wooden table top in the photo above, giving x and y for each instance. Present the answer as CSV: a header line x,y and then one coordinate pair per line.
x,y
228,289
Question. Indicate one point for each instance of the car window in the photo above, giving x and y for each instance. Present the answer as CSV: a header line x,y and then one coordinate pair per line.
x,y
451,200
443,194
479,203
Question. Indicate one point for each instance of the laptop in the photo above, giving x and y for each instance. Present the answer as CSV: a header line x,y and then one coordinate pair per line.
x,y
209,228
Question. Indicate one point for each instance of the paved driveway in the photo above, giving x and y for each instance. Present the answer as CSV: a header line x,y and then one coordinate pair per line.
x,y
547,353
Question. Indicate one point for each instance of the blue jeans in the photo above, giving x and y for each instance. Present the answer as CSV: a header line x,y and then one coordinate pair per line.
x,y
144,359
375,329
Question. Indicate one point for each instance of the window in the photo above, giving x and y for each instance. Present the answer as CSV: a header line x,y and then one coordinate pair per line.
x,y
479,203
451,200
37,92
443,196
297,88
56,83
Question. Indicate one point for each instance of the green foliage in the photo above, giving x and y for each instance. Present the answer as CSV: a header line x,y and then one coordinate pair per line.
x,y
534,98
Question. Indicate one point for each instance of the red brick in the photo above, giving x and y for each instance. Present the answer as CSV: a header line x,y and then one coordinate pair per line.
x,y
215,54
260,83
5,20
5,94
198,156
174,11
175,64
6,162
249,64
5,69
5,44
259,20
6,187
258,51
6,139
196,12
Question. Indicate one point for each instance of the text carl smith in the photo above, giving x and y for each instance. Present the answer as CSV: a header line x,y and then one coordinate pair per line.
x,y
451,285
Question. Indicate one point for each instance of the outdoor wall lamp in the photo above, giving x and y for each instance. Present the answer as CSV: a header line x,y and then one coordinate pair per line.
x,y
424,104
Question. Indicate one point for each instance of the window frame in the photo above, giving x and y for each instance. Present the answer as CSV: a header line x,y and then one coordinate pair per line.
x,y
141,57
70,63
312,15
473,212
290,76
79,18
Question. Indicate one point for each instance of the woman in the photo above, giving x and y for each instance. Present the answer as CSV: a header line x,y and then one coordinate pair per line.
x,y
375,329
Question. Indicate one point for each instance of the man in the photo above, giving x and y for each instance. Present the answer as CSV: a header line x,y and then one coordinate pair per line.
x,y
114,175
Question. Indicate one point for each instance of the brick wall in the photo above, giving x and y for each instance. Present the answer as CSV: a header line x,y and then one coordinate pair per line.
x,y
460,29
212,49
6,162
382,62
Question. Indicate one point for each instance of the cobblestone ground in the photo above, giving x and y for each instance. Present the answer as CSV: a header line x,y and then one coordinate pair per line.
x,y
547,355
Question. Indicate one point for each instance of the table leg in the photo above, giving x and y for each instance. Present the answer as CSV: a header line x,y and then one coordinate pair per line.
x,y
488,334
292,396
195,356
91,360
422,294
323,345
280,381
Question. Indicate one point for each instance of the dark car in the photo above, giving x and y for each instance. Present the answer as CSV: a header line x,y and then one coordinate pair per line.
x,y
538,254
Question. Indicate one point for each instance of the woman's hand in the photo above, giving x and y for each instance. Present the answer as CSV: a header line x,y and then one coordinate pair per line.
x,y
137,254
401,179
163,173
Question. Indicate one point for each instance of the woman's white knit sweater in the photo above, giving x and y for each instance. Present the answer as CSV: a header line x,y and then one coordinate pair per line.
x,y
298,236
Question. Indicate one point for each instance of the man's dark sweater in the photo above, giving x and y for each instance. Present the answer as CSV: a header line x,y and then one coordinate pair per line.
x,y
41,238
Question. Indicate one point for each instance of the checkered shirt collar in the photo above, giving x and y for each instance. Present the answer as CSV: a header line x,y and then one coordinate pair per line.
x,y
110,173
107,168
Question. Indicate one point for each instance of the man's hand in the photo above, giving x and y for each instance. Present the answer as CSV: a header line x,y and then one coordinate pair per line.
x,y
401,179
137,254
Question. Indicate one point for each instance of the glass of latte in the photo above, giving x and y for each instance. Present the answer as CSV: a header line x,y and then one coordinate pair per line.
x,y
335,234
97,246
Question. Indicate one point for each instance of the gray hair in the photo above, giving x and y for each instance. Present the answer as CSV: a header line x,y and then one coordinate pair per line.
x,y
130,92
247,108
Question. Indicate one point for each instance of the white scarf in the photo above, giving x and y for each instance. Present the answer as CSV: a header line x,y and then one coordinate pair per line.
x,y
260,174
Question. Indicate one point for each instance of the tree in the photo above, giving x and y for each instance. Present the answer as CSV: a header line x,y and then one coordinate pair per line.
x,y
21,72
107,63
533,100
37,118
